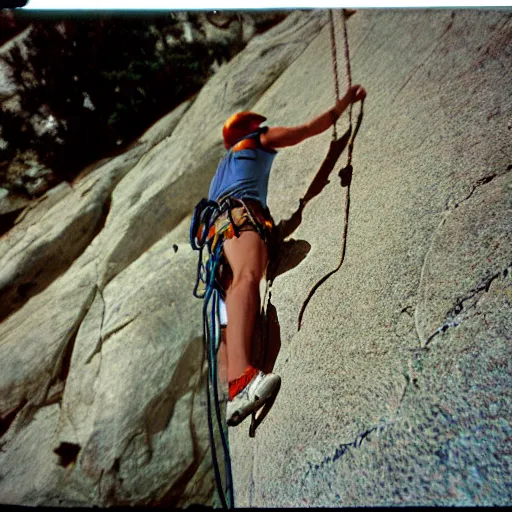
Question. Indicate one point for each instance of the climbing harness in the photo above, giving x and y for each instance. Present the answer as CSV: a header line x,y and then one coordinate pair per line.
x,y
212,223
345,173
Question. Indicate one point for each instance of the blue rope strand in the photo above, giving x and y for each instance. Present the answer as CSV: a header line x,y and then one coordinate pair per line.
x,y
213,343
224,438
210,427
205,214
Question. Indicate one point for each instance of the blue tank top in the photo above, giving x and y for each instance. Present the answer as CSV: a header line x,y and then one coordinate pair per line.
x,y
243,174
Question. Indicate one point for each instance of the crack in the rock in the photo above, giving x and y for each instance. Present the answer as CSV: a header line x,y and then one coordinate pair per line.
x,y
480,182
160,411
484,287
108,495
42,273
401,328
55,393
407,310
117,329
442,329
148,438
451,322
149,427
98,485
99,344
90,187
28,409
10,417
452,314
116,464
423,267
64,364
415,368
343,448
408,382
269,49
224,93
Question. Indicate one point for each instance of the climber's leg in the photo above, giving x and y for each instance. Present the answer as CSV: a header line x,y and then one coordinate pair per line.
x,y
247,257
249,388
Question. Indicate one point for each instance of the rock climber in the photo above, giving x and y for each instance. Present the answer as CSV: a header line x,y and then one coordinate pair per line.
x,y
243,174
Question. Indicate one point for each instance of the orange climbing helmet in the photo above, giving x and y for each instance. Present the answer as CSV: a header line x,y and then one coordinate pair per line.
x,y
239,125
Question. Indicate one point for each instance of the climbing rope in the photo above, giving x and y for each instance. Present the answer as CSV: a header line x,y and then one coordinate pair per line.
x,y
212,223
347,60
335,68
335,62
206,288
345,173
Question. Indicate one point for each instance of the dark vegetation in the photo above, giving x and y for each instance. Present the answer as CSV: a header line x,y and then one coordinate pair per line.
x,y
102,78
11,25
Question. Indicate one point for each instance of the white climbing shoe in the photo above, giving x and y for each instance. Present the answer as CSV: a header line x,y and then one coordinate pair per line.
x,y
252,397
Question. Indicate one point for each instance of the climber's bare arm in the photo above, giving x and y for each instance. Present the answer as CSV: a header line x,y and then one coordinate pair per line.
x,y
280,136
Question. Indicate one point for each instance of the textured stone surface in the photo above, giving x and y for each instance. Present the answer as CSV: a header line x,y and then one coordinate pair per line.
x,y
44,244
102,369
396,390
165,126
369,413
469,250
35,341
30,462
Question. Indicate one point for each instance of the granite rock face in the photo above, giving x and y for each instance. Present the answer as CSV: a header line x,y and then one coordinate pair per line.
x,y
102,369
396,390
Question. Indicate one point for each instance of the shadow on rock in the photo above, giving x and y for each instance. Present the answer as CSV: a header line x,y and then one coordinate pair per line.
x,y
285,255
